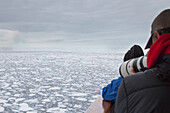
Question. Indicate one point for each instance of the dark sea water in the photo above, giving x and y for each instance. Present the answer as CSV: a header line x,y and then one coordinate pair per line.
x,y
51,81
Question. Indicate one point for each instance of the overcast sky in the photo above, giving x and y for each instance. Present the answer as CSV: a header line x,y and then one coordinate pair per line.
x,y
59,23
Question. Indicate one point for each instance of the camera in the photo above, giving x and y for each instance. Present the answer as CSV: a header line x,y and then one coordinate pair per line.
x,y
138,64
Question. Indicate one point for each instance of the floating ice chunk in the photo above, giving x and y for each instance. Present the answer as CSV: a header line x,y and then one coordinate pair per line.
x,y
81,99
15,111
1,109
15,85
45,87
32,101
9,88
11,98
77,106
62,110
46,100
15,107
22,68
40,105
19,99
3,91
60,104
31,95
5,85
17,95
77,85
32,112
54,88
36,90
3,101
57,78
53,109
2,81
56,110
88,83
8,93
7,104
77,94
1,70
57,95
25,107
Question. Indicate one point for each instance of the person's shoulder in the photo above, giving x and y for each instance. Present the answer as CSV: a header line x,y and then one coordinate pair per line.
x,y
141,75
141,80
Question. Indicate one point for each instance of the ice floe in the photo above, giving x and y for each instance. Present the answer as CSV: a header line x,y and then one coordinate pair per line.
x,y
77,94
56,110
3,101
46,100
56,82
81,99
19,99
56,94
33,111
24,107
54,88
32,100
1,109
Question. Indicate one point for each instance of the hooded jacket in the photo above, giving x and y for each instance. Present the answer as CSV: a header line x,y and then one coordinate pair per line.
x,y
109,93
148,91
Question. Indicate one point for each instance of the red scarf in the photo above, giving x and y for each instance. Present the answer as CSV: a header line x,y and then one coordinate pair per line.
x,y
158,49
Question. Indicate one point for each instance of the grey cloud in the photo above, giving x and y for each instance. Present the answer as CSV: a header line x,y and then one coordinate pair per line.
x,y
79,21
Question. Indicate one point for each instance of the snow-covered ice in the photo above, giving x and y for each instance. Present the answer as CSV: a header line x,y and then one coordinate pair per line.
x,y
51,81
24,107
1,109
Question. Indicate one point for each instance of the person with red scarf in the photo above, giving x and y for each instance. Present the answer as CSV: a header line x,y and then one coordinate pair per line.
x,y
149,91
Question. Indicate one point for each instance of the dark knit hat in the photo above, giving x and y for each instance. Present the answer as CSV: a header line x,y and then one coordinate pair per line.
x,y
134,52
162,21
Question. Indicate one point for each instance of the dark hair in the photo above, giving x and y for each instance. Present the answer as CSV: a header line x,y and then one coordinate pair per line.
x,y
163,31
134,52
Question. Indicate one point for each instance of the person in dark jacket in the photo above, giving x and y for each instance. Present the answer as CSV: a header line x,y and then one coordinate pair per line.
x,y
109,92
149,91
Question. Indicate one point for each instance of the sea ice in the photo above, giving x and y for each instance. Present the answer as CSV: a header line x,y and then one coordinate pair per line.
x,y
54,88
56,110
24,107
17,95
45,87
60,104
1,109
19,99
46,100
40,81
34,111
77,106
31,95
3,101
74,94
32,101
81,99
8,93
57,95
53,109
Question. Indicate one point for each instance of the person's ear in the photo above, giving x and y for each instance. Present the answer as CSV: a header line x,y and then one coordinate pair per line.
x,y
157,35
